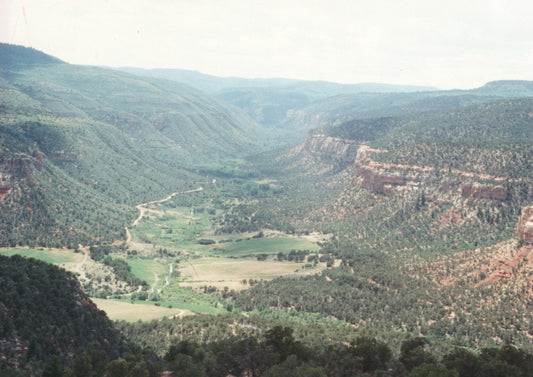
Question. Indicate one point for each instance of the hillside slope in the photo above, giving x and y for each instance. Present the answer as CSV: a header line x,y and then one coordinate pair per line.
x,y
335,110
155,114
79,146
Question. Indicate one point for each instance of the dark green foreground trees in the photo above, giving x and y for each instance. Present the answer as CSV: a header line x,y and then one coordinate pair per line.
x,y
44,313
276,353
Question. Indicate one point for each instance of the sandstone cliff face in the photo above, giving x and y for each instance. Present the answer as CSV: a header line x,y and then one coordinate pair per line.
x,y
525,225
476,190
375,180
344,150
368,175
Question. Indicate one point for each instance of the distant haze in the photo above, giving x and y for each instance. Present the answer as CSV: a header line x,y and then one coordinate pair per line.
x,y
446,44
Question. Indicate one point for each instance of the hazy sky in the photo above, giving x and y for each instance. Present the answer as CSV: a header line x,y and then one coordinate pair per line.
x,y
448,44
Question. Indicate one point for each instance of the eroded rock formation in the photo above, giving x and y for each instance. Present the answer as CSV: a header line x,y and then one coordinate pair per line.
x,y
369,176
15,169
525,225
344,150
476,190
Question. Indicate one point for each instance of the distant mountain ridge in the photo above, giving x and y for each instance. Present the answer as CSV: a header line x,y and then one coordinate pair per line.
x,y
508,88
270,101
297,106
214,84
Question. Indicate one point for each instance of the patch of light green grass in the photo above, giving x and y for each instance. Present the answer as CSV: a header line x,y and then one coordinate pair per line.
x,y
148,269
175,229
269,245
53,256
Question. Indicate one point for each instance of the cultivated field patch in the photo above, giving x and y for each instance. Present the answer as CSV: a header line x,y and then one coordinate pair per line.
x,y
149,270
236,273
126,311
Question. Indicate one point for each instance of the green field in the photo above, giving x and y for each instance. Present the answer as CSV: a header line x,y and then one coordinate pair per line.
x,y
53,256
173,228
265,245
226,263
149,270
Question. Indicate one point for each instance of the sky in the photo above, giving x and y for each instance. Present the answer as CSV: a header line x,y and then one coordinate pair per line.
x,y
446,44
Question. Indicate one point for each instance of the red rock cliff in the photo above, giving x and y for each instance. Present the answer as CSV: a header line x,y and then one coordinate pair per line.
x,y
476,190
369,176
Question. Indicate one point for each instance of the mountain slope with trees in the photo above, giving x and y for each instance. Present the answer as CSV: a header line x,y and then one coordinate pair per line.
x,y
44,313
80,146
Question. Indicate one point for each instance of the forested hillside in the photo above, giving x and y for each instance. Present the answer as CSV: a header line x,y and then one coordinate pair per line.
x,y
271,102
81,145
44,313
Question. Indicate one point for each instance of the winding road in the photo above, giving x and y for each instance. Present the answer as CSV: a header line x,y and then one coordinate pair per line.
x,y
142,207
85,257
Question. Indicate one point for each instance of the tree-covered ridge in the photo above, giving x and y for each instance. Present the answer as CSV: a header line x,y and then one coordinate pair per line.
x,y
340,108
497,123
18,56
165,118
490,139
43,312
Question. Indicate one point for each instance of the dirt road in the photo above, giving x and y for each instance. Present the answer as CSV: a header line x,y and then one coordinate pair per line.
x,y
142,207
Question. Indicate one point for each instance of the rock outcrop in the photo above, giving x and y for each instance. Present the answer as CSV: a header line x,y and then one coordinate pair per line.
x,y
476,190
377,181
16,168
341,149
371,177
525,225
4,190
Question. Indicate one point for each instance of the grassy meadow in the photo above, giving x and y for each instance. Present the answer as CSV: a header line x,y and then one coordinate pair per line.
x,y
53,256
149,270
225,262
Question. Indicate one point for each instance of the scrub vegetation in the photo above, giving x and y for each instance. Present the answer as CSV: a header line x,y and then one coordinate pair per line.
x,y
384,242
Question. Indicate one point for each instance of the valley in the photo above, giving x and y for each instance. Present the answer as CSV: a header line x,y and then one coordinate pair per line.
x,y
167,249
301,221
